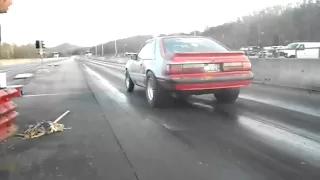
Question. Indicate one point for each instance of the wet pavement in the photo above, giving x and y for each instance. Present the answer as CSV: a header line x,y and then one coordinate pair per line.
x,y
31,67
266,134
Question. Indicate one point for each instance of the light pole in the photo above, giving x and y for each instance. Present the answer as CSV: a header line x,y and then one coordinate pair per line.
x,y
115,47
124,48
102,49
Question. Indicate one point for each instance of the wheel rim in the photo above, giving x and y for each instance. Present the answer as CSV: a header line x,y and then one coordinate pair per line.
x,y
127,81
150,89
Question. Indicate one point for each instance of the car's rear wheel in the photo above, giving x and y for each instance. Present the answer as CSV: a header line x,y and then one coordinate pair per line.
x,y
227,95
129,83
157,96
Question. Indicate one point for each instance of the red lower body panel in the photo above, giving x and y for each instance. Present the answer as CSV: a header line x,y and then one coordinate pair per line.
x,y
216,85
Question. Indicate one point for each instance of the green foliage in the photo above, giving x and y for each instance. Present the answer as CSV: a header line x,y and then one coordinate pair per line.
x,y
12,51
276,25
131,44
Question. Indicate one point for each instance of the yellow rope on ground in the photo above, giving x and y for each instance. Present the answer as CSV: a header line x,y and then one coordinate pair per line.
x,y
41,129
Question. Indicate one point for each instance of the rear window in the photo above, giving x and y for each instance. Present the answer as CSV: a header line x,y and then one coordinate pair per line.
x,y
191,44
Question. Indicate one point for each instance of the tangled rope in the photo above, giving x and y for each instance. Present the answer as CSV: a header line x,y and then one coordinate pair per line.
x,y
41,129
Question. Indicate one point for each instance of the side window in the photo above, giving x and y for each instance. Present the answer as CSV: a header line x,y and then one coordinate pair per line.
x,y
147,52
301,46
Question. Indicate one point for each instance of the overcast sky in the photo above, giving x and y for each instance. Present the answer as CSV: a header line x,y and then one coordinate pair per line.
x,y
89,22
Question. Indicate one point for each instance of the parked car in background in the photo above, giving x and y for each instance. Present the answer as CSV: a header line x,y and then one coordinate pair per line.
x,y
301,50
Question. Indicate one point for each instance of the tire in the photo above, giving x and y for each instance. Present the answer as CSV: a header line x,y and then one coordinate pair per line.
x,y
157,96
227,95
128,83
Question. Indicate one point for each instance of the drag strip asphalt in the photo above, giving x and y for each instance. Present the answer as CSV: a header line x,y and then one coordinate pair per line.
x,y
251,139
116,135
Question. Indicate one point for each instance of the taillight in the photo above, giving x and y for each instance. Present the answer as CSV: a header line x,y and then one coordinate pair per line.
x,y
174,69
192,68
184,68
246,65
237,66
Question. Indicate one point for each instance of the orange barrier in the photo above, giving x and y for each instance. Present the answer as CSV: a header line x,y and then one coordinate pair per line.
x,y
7,112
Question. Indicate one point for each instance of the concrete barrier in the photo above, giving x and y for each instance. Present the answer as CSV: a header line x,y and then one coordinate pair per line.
x,y
120,60
297,73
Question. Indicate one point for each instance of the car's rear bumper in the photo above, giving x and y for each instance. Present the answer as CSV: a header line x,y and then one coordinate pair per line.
x,y
206,83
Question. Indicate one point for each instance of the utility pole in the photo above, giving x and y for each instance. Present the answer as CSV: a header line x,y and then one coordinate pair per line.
x,y
115,47
41,54
124,48
102,49
259,34
96,50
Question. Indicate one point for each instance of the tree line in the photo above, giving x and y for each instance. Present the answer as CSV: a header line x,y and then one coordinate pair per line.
x,y
12,51
272,26
277,25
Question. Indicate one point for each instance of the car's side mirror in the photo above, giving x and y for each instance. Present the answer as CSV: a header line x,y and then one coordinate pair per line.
x,y
134,57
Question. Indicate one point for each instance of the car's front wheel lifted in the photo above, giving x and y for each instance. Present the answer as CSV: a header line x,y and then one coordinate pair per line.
x,y
227,95
157,96
129,83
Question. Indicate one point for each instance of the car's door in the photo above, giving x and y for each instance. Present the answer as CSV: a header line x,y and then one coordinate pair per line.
x,y
146,54
301,51
311,50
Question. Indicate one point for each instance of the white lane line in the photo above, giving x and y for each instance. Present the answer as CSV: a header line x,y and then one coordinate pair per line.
x,y
85,66
120,97
291,143
111,71
118,94
282,104
53,94
167,126
204,106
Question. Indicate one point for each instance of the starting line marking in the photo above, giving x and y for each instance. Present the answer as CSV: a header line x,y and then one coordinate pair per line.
x,y
57,94
23,76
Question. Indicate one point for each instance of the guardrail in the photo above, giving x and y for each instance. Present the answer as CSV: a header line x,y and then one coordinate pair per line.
x,y
287,72
119,60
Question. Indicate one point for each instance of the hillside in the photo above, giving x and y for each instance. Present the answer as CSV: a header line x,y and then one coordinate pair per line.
x,y
130,44
278,25
63,48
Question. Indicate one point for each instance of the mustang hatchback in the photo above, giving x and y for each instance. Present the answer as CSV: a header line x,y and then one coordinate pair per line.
x,y
187,65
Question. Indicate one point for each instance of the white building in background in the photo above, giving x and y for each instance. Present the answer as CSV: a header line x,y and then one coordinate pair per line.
x,y
55,54
88,54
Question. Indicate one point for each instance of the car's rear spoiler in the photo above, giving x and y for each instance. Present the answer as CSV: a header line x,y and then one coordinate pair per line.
x,y
209,54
